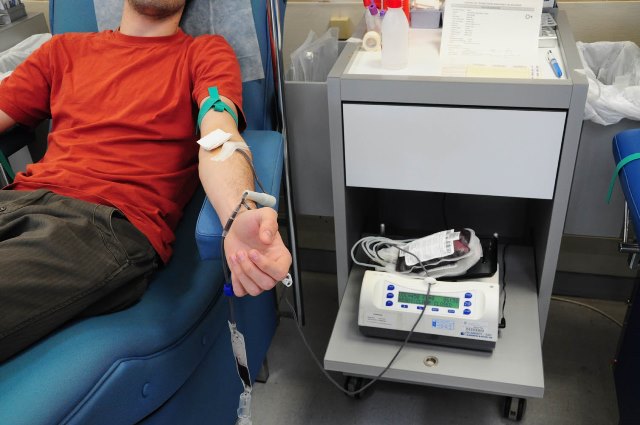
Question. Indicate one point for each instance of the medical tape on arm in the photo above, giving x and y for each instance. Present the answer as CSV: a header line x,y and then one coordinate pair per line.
x,y
228,148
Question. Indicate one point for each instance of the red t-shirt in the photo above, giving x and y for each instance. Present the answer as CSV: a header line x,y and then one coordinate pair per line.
x,y
123,128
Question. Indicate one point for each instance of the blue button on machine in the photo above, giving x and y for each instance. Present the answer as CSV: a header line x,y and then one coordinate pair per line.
x,y
435,309
451,311
389,295
404,305
390,288
466,311
467,303
468,295
389,303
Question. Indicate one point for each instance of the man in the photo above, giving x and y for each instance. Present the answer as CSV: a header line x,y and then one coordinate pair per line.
x,y
82,230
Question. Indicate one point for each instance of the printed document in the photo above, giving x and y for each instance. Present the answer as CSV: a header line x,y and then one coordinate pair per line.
x,y
490,33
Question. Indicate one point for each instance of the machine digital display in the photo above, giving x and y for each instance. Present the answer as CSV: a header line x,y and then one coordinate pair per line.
x,y
434,300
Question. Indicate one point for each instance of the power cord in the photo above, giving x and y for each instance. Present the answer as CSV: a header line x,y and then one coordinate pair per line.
x,y
503,321
373,247
375,379
590,307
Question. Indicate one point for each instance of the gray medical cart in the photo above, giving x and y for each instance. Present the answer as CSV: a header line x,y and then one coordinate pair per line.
x,y
494,154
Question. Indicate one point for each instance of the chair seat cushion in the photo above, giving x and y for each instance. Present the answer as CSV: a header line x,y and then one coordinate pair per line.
x,y
267,149
627,143
141,355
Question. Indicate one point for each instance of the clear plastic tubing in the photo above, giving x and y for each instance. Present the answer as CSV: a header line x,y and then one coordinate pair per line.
x,y
395,36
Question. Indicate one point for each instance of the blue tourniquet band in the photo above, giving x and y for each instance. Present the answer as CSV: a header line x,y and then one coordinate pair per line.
x,y
214,102
624,161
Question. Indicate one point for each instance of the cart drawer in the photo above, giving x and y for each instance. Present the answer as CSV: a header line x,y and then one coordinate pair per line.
x,y
501,152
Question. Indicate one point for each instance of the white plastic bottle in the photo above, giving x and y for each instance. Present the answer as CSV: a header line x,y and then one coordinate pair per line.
x,y
395,36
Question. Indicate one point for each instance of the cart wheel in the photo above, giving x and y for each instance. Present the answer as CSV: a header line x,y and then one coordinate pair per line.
x,y
353,383
514,408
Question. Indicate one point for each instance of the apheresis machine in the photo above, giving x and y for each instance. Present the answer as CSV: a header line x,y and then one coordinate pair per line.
x,y
410,292
463,314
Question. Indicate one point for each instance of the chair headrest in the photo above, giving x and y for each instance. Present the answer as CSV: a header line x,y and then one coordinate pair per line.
x,y
232,19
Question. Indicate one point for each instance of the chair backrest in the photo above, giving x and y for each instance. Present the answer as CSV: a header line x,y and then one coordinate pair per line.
x,y
258,96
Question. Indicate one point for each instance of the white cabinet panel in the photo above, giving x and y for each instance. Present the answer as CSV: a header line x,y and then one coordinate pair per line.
x,y
501,152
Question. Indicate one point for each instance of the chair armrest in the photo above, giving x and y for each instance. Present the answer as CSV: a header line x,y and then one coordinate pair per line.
x,y
627,143
268,153
14,139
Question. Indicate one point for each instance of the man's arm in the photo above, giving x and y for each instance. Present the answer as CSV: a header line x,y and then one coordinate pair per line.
x,y
223,181
254,250
6,122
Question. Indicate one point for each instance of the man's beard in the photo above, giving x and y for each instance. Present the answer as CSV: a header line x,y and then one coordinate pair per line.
x,y
157,9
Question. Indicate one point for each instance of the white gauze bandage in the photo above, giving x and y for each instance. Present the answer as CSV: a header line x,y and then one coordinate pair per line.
x,y
219,138
214,139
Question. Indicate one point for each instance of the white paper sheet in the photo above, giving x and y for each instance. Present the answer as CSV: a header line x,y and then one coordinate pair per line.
x,y
491,32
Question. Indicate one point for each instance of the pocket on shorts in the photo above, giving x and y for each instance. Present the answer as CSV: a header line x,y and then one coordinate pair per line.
x,y
133,243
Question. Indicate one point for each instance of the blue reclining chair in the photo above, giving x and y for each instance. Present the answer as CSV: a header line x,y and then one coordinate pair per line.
x,y
167,359
626,152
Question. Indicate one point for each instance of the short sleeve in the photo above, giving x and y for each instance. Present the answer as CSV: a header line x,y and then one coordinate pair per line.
x,y
25,94
213,63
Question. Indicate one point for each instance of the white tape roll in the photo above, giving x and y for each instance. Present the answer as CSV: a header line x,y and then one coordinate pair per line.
x,y
371,41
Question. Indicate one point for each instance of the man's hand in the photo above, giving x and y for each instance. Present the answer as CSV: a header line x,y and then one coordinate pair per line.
x,y
255,252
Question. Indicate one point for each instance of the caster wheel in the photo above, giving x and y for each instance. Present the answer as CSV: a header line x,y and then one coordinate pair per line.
x,y
514,408
352,384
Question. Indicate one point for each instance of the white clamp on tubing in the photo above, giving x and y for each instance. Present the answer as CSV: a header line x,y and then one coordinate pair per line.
x,y
261,198
287,281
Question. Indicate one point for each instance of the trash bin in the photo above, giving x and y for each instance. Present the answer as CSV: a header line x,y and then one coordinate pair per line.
x,y
613,105
613,71
308,128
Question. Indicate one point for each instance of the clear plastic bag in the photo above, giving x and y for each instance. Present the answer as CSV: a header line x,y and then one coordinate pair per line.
x,y
313,60
613,71
11,58
296,72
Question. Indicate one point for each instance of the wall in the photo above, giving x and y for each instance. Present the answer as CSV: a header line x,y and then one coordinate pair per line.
x,y
609,20
38,6
590,20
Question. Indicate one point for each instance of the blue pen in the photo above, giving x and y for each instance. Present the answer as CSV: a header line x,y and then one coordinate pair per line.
x,y
554,64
